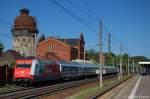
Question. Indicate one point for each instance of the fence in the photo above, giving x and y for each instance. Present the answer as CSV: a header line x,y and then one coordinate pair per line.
x,y
3,78
2,75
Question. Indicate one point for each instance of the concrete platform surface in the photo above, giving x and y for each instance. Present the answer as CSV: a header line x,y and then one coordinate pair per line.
x,y
138,88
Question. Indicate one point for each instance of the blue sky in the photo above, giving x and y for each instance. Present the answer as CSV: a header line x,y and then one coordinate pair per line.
x,y
128,21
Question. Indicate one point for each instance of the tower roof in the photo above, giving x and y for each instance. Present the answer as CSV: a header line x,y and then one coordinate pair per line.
x,y
24,21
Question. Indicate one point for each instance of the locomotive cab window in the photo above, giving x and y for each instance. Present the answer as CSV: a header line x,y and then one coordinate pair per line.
x,y
23,65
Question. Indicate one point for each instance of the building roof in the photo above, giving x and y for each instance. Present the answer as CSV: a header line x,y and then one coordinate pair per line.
x,y
142,63
54,39
68,42
24,21
71,42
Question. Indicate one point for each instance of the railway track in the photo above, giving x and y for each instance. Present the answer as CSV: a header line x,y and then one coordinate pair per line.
x,y
32,92
36,92
12,88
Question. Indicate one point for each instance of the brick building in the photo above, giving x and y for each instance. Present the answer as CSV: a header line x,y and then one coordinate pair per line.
x,y
61,49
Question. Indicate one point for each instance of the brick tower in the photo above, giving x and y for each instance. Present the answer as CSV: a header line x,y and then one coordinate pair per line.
x,y
24,33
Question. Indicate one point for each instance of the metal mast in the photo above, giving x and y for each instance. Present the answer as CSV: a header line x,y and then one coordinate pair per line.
x,y
121,61
128,66
101,67
109,42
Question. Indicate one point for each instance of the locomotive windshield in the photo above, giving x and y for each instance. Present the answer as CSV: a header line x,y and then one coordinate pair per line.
x,y
23,65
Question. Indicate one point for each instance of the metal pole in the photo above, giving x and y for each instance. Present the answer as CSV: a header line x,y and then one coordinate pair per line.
x,y
133,66
35,45
121,61
128,66
101,67
118,74
6,73
113,63
137,68
84,55
109,42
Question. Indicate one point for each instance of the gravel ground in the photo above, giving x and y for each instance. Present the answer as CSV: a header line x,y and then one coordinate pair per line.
x,y
69,92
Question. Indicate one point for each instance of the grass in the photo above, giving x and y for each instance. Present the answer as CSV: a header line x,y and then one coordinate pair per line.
x,y
83,94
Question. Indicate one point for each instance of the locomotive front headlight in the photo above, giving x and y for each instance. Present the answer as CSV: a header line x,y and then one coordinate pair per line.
x,y
22,72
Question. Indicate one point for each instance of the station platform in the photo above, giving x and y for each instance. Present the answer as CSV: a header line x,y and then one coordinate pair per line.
x,y
138,88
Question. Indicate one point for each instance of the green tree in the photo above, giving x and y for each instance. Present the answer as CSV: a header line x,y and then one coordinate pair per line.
x,y
140,58
125,56
92,54
109,56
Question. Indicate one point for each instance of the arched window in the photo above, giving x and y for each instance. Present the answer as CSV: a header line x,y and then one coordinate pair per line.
x,y
24,39
18,39
29,40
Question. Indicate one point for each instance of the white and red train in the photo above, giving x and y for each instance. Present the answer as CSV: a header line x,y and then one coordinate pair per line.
x,y
31,71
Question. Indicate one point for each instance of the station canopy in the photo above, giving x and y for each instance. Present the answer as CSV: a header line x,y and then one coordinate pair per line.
x,y
144,63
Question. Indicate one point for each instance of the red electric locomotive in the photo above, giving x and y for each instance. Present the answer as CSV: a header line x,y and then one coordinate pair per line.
x,y
30,71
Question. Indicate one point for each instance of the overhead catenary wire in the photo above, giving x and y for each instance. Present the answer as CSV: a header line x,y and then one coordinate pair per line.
x,y
90,10
81,20
105,29
79,9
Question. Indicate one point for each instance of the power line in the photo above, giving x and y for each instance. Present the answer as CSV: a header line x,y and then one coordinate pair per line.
x,y
82,11
90,10
81,20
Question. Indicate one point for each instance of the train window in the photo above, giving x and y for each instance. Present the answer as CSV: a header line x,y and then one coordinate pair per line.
x,y
42,68
23,65
66,68
63,68
37,69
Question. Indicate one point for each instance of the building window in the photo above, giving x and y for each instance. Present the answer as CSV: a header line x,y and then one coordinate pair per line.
x,y
29,40
23,39
50,46
18,39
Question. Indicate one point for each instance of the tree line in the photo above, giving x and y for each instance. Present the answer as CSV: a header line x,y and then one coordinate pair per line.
x,y
112,58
